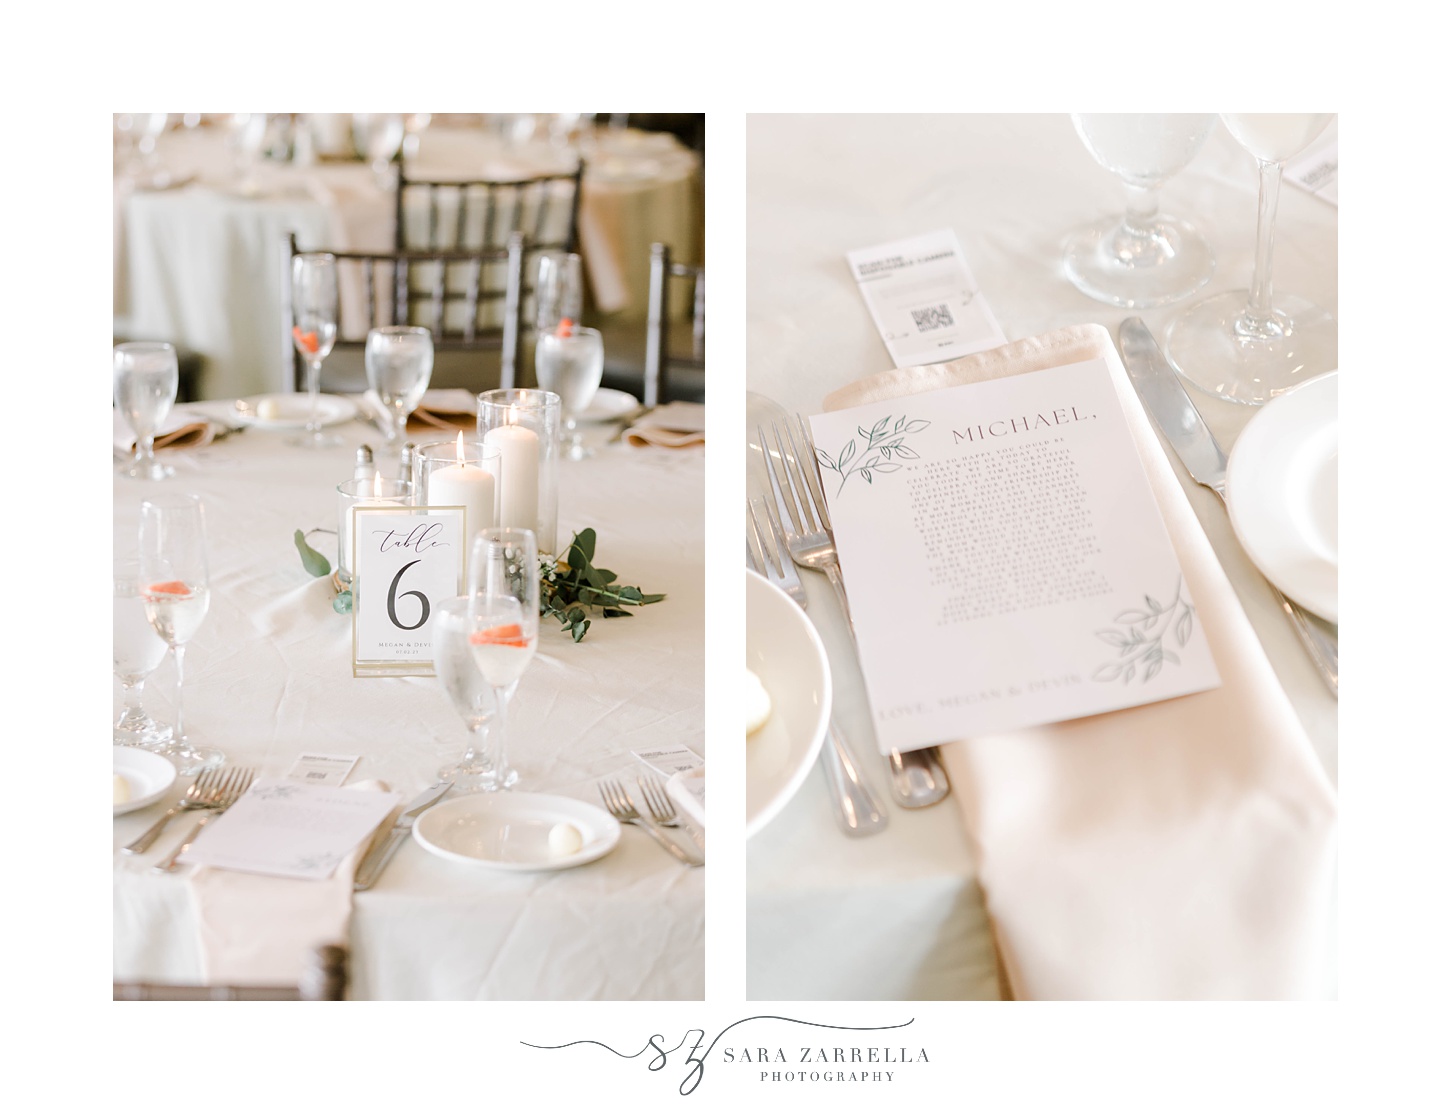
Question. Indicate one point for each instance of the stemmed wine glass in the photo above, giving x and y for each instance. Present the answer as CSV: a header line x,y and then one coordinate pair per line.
x,y
558,293
144,383
570,362
379,135
314,329
472,696
1246,346
136,652
503,626
175,593
399,359
1144,257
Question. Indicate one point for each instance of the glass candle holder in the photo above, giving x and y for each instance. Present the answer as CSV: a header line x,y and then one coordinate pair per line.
x,y
459,473
372,492
524,426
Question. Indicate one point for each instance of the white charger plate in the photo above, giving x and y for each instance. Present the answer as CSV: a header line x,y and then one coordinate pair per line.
x,y
293,410
785,652
607,404
149,776
510,831
1282,487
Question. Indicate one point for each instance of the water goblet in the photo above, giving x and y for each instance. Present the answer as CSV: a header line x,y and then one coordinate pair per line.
x,y
472,696
399,360
1145,257
378,136
504,626
144,384
136,652
314,330
1249,345
175,593
571,362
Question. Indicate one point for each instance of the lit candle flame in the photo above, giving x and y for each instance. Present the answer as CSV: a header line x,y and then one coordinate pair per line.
x,y
460,448
377,485
513,415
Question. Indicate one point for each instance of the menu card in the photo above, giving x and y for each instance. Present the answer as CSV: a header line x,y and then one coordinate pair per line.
x,y
285,828
1005,559
924,300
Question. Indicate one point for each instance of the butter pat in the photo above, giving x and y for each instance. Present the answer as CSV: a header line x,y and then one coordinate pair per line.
x,y
758,703
120,790
268,410
564,839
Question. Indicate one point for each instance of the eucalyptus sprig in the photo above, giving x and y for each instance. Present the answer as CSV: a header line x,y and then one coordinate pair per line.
x,y
570,585
318,565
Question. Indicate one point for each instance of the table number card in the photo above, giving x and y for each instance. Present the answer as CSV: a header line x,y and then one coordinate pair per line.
x,y
405,559
1005,559
924,300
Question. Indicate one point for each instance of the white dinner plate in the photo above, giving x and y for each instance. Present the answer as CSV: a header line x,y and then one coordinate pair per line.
x,y
149,776
785,652
293,410
607,404
1282,488
510,831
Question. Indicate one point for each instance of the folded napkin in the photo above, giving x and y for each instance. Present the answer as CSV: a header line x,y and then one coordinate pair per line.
x,y
441,413
687,790
257,930
674,425
182,430
1179,850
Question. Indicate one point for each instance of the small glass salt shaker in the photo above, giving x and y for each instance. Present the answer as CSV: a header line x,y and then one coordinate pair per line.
x,y
405,464
363,466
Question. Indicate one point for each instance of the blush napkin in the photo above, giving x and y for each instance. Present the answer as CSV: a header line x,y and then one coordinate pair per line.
x,y
674,425
257,930
1178,850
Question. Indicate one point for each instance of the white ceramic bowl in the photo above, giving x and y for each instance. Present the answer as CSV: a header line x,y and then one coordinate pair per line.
x,y
784,650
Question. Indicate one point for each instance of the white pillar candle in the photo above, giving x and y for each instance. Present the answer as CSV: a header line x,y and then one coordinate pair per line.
x,y
464,485
518,475
377,499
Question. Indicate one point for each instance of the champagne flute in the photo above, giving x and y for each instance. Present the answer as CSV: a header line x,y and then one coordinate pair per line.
x,y
136,652
399,359
504,626
558,293
1144,257
175,594
570,362
144,383
314,329
1249,346
472,696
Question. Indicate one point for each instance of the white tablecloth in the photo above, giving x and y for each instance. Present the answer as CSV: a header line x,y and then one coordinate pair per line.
x,y
200,266
899,915
269,676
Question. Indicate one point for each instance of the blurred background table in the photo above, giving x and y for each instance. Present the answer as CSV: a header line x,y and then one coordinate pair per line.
x,y
198,263
269,675
899,916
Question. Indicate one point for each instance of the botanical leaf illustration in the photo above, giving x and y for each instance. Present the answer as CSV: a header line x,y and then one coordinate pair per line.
x,y
1139,638
883,445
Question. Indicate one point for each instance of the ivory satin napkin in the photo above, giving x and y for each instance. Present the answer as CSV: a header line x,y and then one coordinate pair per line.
x,y
1178,850
258,930
674,426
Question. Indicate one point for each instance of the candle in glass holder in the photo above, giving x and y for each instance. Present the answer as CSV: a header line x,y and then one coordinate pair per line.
x,y
464,485
518,473
376,492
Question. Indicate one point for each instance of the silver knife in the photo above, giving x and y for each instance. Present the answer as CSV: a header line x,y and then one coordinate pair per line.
x,y
1173,411
376,859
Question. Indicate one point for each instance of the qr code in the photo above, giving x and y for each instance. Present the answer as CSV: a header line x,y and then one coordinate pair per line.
x,y
932,317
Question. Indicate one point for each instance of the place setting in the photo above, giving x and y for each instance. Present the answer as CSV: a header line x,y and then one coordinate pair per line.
x,y
982,565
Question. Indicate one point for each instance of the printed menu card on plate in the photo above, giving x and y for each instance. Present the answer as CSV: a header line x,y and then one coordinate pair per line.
x,y
1005,560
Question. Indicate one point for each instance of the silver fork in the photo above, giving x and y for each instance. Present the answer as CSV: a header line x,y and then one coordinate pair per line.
x,y
237,781
622,808
660,806
857,811
917,776
205,792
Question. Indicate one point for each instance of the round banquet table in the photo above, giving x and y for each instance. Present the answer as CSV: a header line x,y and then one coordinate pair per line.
x,y
269,676
200,265
899,916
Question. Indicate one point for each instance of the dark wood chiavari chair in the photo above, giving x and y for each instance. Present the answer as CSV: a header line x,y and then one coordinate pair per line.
x,y
660,365
468,300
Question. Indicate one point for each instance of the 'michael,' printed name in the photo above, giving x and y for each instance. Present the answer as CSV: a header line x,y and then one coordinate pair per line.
x,y
1006,427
